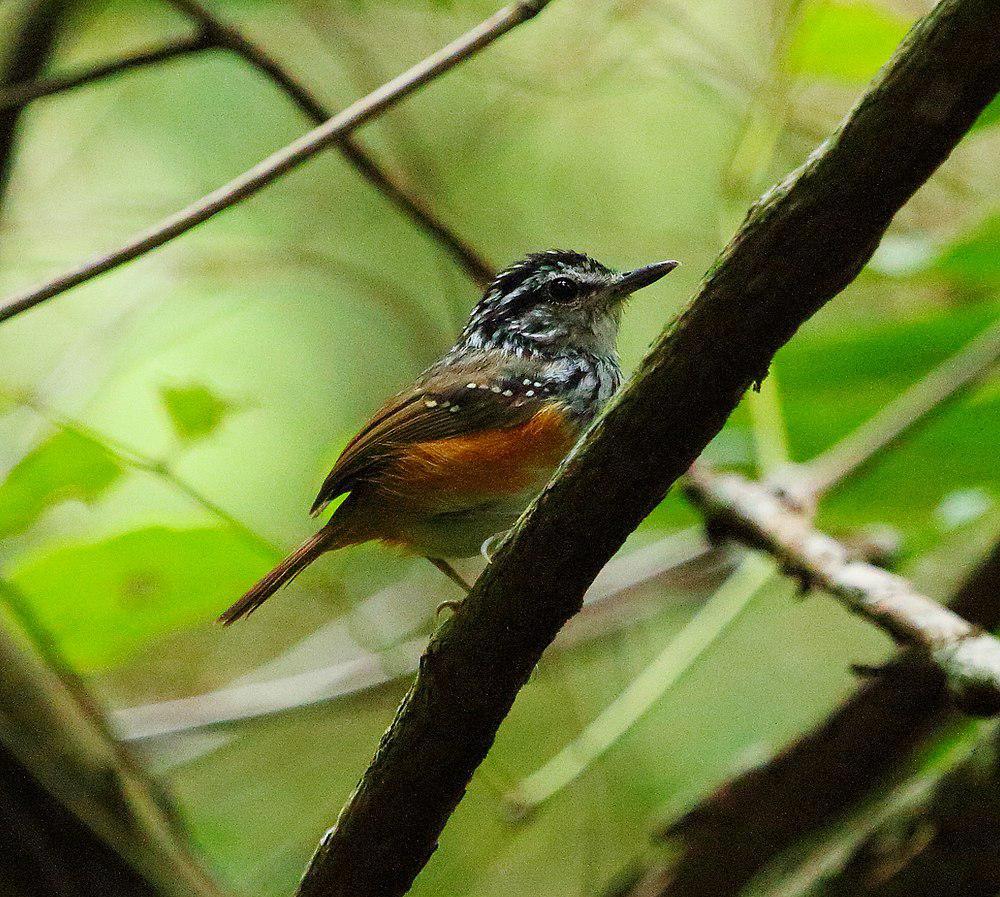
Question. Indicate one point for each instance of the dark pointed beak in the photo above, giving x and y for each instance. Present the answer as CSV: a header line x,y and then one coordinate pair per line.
x,y
630,281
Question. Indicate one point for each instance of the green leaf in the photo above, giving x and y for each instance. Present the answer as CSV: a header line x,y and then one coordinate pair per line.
x,y
195,411
844,41
989,117
974,259
66,466
103,601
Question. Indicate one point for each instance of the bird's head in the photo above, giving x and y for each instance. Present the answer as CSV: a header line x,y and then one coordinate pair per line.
x,y
556,300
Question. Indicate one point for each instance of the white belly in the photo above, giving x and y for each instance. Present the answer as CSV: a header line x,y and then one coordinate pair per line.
x,y
461,533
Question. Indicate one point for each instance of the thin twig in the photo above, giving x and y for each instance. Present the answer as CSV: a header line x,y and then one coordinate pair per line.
x,y
251,699
215,34
17,95
644,691
887,427
968,657
225,35
285,159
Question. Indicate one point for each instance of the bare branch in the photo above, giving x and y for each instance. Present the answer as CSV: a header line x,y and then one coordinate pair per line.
x,y
17,95
800,245
224,35
285,159
215,34
968,657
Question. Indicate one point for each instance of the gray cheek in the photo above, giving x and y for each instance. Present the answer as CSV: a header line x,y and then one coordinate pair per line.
x,y
541,327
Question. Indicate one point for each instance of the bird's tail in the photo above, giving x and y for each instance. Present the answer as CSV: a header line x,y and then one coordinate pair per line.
x,y
325,540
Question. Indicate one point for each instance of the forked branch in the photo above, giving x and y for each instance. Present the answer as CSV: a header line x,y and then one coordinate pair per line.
x,y
225,35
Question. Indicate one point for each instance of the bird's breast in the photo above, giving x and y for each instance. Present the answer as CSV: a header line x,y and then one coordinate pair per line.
x,y
488,464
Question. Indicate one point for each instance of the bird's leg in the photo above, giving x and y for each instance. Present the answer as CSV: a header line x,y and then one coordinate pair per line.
x,y
455,577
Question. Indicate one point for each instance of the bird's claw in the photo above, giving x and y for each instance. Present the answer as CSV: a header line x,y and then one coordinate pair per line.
x,y
448,605
490,546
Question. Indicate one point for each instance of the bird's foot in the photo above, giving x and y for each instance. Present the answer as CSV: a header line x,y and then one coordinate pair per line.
x,y
490,546
448,605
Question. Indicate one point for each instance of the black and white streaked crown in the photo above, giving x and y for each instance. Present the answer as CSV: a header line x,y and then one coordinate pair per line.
x,y
523,280
551,262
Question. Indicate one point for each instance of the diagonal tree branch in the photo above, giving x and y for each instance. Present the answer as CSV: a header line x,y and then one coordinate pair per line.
x,y
224,35
23,92
285,159
968,657
800,245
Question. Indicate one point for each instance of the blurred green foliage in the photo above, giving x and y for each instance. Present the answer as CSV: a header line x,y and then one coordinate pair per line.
x,y
610,126
844,41
101,601
973,258
65,466
195,411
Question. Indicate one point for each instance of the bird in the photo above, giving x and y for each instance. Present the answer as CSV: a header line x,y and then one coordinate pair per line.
x,y
452,461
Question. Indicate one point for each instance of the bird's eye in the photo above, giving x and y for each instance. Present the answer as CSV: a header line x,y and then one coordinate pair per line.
x,y
562,289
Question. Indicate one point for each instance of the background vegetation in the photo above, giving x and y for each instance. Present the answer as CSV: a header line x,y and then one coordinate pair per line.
x,y
164,429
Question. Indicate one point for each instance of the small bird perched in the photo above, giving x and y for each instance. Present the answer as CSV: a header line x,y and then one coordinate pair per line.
x,y
456,458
